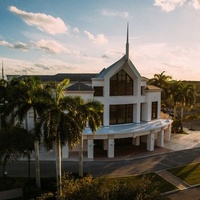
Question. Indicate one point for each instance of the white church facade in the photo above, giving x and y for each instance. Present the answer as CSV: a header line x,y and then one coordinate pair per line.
x,y
131,107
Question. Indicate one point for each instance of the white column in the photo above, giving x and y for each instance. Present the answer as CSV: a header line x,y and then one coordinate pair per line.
x,y
136,141
90,149
65,151
105,144
136,113
150,141
168,133
111,147
160,139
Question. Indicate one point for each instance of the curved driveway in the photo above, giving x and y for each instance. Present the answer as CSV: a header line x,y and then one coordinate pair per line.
x,y
176,157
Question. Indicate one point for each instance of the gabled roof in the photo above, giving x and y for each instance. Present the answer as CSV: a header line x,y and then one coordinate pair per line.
x,y
152,88
80,87
106,70
75,76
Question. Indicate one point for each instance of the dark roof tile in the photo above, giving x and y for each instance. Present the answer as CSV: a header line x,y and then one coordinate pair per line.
x,y
80,87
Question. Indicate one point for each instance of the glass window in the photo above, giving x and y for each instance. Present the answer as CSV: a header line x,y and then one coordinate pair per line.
x,y
121,84
98,91
143,90
154,110
121,114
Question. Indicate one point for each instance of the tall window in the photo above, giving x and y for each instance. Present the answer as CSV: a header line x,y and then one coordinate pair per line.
x,y
154,110
121,84
121,114
143,90
98,91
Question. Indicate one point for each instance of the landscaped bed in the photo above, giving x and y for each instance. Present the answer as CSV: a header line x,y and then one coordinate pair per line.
x,y
48,184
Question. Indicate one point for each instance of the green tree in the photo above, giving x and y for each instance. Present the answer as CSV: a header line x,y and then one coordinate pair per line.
x,y
89,114
3,90
183,96
22,96
14,142
58,123
162,81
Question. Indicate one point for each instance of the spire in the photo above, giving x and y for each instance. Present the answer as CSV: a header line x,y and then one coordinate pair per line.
x,y
127,44
2,71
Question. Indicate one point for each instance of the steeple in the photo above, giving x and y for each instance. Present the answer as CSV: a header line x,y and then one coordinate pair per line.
x,y
2,71
127,45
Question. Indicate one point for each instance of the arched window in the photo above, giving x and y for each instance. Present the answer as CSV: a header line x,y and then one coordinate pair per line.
x,y
121,84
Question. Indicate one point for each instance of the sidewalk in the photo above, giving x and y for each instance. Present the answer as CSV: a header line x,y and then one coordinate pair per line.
x,y
181,185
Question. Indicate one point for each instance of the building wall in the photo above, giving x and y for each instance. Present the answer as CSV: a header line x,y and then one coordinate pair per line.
x,y
138,98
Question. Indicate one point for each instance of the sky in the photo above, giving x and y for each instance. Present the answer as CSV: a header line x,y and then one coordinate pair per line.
x,y
45,37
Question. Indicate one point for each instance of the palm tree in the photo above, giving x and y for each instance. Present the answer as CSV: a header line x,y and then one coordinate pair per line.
x,y
87,114
162,81
183,95
58,123
24,95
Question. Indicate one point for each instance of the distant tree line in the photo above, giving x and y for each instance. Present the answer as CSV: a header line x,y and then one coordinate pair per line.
x,y
176,94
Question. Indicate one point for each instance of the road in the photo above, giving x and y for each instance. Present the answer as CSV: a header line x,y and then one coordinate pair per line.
x,y
112,168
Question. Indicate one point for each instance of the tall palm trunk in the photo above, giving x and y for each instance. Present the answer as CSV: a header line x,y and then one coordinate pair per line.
x,y
81,156
181,118
37,153
175,111
37,164
58,164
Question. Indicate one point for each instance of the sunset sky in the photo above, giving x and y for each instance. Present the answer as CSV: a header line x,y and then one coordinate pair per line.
x,y
83,36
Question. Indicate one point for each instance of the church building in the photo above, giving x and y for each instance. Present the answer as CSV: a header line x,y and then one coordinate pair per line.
x,y
131,107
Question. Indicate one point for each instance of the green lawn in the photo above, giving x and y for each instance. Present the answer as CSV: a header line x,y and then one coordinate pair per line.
x,y
164,185
189,173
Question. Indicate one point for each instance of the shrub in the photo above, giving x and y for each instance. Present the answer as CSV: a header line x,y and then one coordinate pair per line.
x,y
88,188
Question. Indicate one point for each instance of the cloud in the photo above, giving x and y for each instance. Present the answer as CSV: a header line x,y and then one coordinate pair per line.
x,y
169,5
195,4
114,13
41,21
76,30
17,45
42,66
98,39
51,46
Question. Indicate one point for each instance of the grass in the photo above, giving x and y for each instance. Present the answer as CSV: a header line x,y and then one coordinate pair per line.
x,y
189,173
163,185
48,184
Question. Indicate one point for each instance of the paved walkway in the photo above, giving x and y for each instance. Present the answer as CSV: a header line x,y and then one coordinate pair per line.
x,y
173,180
